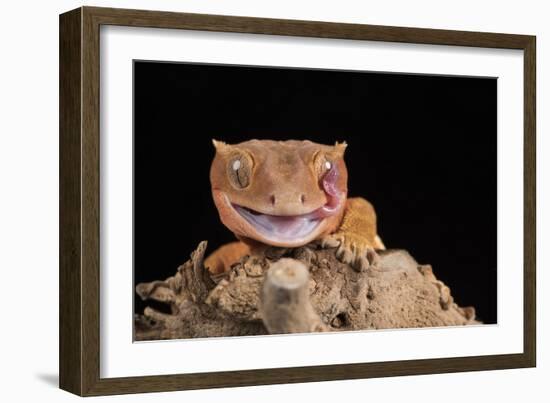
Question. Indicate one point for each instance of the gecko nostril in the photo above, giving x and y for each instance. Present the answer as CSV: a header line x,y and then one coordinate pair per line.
x,y
272,199
303,198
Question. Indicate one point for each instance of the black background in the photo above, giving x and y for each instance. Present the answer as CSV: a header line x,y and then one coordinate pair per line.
x,y
421,148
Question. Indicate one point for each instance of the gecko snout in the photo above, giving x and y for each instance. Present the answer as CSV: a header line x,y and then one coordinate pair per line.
x,y
289,203
273,199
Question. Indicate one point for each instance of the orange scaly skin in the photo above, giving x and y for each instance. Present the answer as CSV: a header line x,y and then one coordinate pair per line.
x,y
288,194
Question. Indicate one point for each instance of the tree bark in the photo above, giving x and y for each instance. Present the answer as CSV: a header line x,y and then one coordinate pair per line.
x,y
297,290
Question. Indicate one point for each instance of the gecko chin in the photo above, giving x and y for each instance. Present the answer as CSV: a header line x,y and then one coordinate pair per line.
x,y
292,230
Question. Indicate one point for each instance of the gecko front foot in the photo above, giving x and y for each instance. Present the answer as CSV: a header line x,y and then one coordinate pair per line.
x,y
352,249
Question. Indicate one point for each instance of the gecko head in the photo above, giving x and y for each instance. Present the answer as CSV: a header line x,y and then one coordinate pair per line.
x,y
280,193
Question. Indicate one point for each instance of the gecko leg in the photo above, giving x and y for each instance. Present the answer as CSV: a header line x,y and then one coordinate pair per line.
x,y
356,239
222,258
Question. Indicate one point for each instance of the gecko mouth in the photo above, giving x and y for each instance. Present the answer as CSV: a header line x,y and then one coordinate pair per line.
x,y
282,228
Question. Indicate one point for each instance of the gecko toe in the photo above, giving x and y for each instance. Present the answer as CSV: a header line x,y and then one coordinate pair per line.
x,y
329,242
372,256
361,264
344,254
365,260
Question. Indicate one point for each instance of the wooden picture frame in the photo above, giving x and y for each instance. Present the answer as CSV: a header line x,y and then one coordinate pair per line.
x,y
80,184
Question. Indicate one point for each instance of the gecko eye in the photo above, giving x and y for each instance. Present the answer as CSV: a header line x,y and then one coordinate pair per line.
x,y
239,171
322,163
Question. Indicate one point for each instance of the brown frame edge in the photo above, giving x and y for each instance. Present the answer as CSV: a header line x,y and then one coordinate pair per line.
x,y
79,200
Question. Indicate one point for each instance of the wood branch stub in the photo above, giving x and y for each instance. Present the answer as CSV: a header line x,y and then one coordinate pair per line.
x,y
285,306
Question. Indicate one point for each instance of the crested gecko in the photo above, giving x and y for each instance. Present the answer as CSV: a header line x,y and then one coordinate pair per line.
x,y
288,194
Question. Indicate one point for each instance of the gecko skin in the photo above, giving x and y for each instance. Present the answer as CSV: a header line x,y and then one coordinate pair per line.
x,y
288,194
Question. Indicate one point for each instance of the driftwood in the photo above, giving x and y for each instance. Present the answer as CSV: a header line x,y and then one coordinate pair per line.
x,y
298,290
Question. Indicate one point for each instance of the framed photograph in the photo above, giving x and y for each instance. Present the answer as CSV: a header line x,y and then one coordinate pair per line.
x,y
249,201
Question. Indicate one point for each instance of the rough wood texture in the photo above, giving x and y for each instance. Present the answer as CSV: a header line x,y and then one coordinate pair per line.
x,y
296,291
70,181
